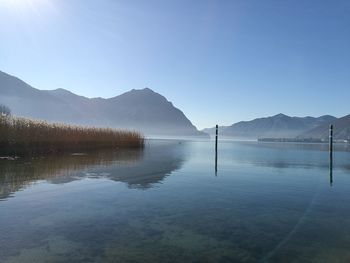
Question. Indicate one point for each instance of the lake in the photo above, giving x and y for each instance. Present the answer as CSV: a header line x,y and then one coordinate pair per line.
x,y
267,202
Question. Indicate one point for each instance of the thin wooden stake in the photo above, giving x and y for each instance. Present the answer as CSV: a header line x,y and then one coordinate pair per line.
x,y
331,154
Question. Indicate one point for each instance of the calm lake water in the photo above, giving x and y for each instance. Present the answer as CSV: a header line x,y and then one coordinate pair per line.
x,y
268,202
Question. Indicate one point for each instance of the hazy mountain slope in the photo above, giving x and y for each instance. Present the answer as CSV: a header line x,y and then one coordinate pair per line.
x,y
212,131
149,111
341,130
27,101
142,110
278,126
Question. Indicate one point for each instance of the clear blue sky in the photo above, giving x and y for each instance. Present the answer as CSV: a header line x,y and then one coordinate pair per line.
x,y
218,61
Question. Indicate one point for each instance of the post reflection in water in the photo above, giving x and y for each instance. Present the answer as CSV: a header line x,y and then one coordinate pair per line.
x,y
331,171
216,163
216,149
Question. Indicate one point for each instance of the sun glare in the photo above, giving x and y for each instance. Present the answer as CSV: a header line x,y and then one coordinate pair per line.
x,y
25,5
18,3
29,10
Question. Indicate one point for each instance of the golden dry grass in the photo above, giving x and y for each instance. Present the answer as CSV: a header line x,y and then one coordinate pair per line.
x,y
20,136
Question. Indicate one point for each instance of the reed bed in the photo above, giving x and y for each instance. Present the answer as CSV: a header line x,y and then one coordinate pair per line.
x,y
21,137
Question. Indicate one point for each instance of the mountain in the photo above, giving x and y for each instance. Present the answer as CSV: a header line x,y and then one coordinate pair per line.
x,y
277,126
142,110
341,130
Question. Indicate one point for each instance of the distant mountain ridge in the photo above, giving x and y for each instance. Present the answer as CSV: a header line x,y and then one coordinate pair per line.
x,y
277,126
341,130
143,110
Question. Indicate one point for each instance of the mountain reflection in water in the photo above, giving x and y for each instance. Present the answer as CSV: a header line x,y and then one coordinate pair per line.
x,y
140,169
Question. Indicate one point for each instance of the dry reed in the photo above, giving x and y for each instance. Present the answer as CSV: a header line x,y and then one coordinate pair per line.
x,y
20,136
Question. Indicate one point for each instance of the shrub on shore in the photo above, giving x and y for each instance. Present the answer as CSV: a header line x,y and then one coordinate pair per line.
x,y
20,136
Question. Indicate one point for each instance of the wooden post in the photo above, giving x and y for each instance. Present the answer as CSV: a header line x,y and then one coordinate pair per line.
x,y
331,142
216,148
331,154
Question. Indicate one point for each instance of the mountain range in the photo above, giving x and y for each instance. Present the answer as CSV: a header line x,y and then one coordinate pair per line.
x,y
152,114
341,130
142,110
283,126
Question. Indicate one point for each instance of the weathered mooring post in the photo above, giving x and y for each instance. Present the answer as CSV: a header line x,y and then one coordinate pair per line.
x,y
331,154
216,148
